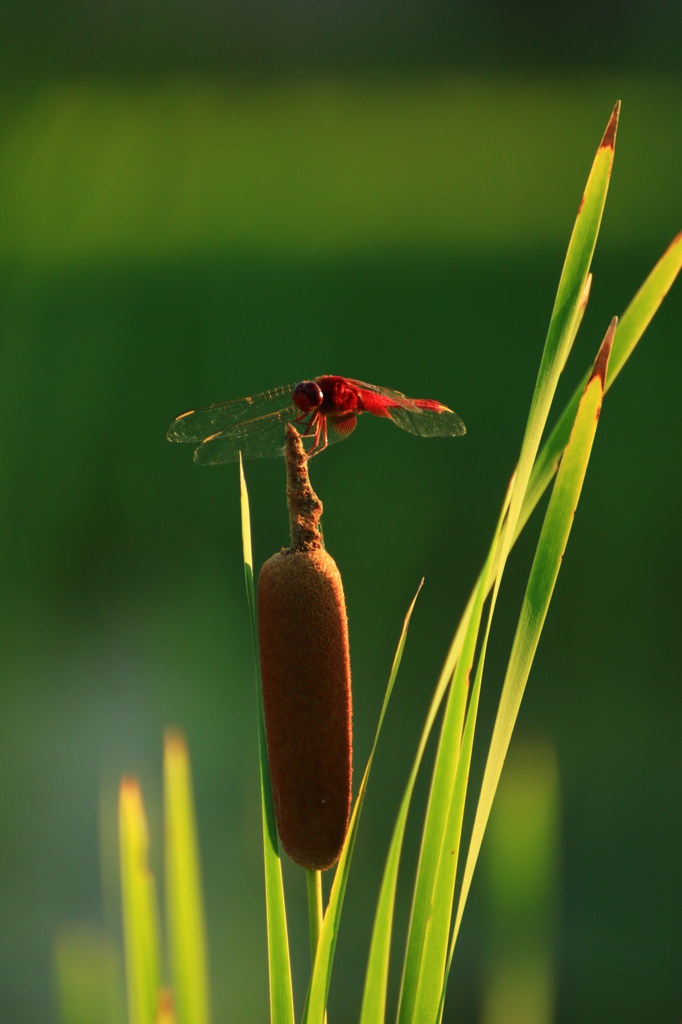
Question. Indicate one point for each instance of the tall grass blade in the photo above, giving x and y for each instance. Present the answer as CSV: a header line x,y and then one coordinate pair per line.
x,y
544,572
416,965
185,923
315,910
376,979
426,947
316,1002
141,935
641,310
635,321
569,307
281,992
431,989
561,326
579,314
632,326
445,885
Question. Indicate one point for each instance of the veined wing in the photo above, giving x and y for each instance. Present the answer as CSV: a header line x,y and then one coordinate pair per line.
x,y
198,424
434,420
259,438
421,416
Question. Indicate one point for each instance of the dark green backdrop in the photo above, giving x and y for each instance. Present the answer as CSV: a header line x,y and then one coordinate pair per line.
x,y
179,242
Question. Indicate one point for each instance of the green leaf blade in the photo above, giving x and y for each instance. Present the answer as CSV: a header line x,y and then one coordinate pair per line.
x,y
423,907
184,898
281,991
566,310
318,992
631,327
642,308
430,923
421,959
376,979
141,933
549,553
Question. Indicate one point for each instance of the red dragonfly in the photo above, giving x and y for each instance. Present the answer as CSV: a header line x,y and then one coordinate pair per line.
x,y
327,409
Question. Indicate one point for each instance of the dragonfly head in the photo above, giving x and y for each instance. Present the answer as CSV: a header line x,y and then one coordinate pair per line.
x,y
308,395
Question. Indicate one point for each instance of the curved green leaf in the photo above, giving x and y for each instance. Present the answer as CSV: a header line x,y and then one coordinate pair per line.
x,y
316,1002
281,993
185,923
427,941
550,550
374,996
141,932
561,326
632,326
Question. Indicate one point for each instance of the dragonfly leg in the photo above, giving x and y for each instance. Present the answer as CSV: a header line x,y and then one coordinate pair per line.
x,y
306,433
320,425
313,419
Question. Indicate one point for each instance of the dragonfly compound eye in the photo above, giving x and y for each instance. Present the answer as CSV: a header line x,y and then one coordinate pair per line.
x,y
308,395
305,668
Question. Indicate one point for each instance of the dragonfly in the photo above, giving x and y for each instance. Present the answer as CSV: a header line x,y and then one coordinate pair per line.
x,y
325,410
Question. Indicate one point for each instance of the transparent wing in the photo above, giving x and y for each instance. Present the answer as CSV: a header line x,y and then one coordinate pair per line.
x,y
427,422
198,424
260,438
421,416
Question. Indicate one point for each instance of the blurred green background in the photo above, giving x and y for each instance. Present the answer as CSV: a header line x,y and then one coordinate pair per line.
x,y
200,204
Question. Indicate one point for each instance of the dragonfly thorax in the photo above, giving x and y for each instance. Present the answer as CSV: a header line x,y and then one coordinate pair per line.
x,y
308,395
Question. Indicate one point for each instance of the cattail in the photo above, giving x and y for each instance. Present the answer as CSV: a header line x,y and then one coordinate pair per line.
x,y
305,668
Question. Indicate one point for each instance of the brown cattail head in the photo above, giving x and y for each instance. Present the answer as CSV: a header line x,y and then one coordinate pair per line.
x,y
305,667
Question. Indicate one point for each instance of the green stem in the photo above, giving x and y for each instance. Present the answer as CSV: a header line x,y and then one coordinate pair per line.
x,y
315,913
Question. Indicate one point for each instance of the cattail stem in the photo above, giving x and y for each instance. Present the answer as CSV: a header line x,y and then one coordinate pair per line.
x,y
305,508
315,914
315,911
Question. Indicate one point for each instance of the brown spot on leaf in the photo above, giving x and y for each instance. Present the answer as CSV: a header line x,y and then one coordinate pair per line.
x,y
602,361
610,133
174,740
130,786
164,1012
